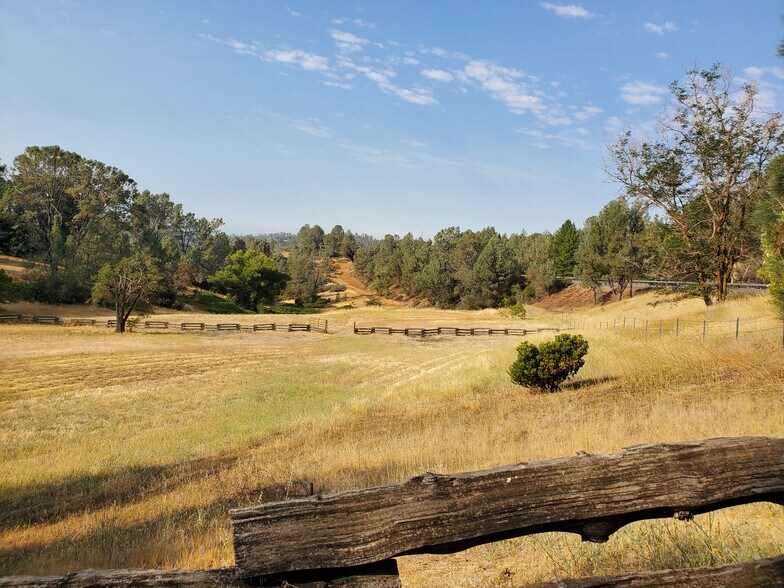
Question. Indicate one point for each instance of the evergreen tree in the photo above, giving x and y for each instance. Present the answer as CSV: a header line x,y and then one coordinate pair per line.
x,y
566,241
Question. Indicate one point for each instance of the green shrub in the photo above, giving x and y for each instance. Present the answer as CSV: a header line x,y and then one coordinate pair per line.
x,y
516,310
9,290
547,365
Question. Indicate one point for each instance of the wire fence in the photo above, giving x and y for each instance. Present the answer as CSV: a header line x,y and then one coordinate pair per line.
x,y
695,329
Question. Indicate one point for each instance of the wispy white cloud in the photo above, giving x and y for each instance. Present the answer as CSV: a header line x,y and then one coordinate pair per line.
x,y
662,55
586,112
613,125
414,144
332,84
312,127
438,74
383,79
410,61
502,83
347,42
660,29
305,60
356,21
205,21
238,46
543,139
756,73
567,10
642,93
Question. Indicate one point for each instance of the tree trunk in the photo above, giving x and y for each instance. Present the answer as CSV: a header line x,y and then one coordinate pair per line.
x,y
119,315
704,289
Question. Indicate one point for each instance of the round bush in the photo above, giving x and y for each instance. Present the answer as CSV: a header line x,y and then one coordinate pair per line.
x,y
547,365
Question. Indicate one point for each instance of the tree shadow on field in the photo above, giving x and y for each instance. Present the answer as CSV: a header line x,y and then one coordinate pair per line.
x,y
160,542
42,503
588,382
149,544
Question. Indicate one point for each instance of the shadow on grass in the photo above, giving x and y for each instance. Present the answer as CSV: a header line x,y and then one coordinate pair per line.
x,y
162,541
587,382
42,503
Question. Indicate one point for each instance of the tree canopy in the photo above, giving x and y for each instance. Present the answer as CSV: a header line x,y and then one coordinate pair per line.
x,y
704,172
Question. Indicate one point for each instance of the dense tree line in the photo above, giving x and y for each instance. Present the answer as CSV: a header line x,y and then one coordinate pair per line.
x,y
76,215
702,202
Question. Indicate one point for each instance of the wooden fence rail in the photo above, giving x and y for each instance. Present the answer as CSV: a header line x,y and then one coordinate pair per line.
x,y
590,495
457,331
320,326
349,538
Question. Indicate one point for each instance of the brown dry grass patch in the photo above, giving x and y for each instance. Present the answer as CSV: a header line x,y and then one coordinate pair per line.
x,y
129,450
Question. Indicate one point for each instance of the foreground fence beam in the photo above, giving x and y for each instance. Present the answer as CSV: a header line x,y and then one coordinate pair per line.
x,y
763,572
380,575
592,495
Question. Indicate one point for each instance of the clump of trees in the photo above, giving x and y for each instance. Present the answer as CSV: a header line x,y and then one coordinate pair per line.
x,y
705,172
547,365
251,279
611,249
77,215
771,220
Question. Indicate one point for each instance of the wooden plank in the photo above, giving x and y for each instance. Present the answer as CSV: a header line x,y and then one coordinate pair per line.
x,y
381,575
156,325
46,320
763,572
93,578
227,327
590,495
10,318
192,326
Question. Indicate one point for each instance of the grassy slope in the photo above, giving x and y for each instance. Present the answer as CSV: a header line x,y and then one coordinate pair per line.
x,y
108,461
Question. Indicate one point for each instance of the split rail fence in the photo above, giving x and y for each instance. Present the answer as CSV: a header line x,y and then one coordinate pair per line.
x,y
351,538
320,326
457,331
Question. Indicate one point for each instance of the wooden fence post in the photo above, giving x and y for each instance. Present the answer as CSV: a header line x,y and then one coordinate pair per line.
x,y
677,326
704,329
737,328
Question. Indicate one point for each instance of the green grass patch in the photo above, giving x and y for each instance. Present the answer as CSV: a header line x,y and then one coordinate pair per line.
x,y
212,303
306,308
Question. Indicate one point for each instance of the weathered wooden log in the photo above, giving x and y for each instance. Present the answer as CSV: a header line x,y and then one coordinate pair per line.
x,y
380,575
95,578
590,495
763,572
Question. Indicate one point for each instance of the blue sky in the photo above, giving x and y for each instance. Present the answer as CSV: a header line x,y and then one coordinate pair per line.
x,y
385,117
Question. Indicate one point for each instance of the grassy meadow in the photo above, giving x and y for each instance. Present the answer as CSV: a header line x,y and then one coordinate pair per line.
x,y
128,450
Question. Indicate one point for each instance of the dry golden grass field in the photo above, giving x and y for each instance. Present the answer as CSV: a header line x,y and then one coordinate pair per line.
x,y
128,450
